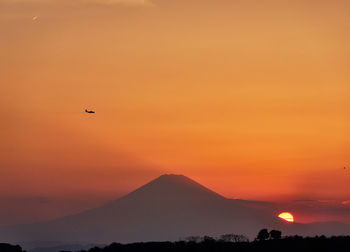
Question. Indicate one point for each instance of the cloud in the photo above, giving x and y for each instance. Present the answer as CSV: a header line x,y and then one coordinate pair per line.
x,y
304,200
346,202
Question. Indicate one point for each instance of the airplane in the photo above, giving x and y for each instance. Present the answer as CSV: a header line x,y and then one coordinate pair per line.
x,y
90,111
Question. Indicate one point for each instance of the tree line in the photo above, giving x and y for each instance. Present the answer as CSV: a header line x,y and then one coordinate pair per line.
x,y
270,241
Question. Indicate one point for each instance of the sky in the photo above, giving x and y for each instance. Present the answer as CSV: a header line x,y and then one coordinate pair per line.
x,y
249,98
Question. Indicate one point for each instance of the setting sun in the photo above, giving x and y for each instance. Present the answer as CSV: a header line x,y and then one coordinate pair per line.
x,y
286,216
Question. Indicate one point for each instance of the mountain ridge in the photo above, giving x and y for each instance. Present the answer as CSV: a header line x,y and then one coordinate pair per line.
x,y
167,208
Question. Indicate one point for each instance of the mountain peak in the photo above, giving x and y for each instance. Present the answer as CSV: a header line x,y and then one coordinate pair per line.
x,y
174,186
174,178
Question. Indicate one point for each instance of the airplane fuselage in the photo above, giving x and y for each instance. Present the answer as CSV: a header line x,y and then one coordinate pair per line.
x,y
89,111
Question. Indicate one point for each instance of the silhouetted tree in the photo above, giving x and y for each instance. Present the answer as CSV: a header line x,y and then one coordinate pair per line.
x,y
263,235
5,247
275,234
233,238
195,239
208,239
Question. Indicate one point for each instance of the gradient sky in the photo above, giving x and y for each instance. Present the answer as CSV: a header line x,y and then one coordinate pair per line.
x,y
250,98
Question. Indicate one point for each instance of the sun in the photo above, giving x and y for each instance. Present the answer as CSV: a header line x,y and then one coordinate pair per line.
x,y
286,216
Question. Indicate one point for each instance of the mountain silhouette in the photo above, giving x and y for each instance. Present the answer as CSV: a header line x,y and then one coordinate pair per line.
x,y
167,208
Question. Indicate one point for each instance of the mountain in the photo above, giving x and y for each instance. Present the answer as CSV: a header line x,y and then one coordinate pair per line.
x,y
168,208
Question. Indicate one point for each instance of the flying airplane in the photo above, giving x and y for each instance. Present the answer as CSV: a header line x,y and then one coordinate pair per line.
x,y
90,111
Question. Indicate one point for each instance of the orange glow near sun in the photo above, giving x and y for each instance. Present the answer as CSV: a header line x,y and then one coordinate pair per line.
x,y
286,216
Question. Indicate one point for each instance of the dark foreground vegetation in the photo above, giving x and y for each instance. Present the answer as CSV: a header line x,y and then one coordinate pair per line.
x,y
266,241
4,247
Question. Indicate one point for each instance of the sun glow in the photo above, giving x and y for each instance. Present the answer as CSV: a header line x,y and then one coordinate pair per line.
x,y
286,216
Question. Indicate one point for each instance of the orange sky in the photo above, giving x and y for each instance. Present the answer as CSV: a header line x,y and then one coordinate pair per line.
x,y
250,98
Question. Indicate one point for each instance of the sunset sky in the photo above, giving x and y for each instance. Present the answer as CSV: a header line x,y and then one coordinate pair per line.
x,y
250,98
